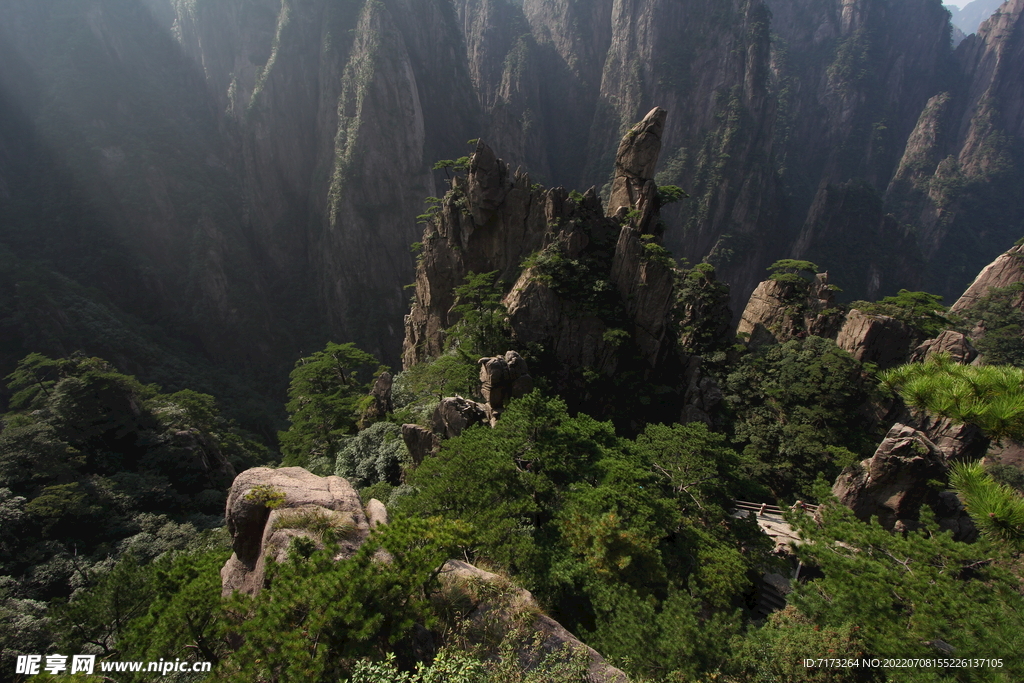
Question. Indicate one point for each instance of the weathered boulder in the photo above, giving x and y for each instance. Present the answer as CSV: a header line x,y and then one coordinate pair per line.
x,y
502,378
376,513
893,483
265,509
877,339
956,345
269,508
495,612
420,441
455,414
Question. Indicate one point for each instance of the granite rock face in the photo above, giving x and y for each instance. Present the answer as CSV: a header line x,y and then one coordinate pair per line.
x,y
500,613
258,531
635,162
954,344
382,402
587,268
779,311
420,441
893,483
489,221
877,339
956,441
1006,270
503,378
455,415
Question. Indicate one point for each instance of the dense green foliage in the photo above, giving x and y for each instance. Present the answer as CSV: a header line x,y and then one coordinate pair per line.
x,y
797,411
482,327
999,317
915,595
92,449
793,271
418,390
375,455
319,614
323,402
95,465
628,541
922,311
702,311
997,508
990,396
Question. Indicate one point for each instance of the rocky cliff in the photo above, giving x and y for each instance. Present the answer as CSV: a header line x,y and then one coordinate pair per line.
x,y
257,166
590,292
959,182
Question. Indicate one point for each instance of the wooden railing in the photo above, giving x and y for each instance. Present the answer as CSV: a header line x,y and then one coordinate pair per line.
x,y
763,509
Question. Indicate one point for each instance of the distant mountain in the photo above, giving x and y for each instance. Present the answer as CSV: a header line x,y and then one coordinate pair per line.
x,y
970,17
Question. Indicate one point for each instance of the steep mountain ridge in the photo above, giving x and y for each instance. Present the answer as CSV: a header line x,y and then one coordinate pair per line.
x,y
959,182
259,165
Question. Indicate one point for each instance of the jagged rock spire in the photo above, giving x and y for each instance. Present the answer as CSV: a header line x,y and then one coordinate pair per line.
x,y
635,161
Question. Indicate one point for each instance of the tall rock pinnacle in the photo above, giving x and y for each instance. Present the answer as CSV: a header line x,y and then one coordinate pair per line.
x,y
636,160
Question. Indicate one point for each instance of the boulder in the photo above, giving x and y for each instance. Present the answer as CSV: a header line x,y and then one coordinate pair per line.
x,y
502,378
893,483
455,414
376,513
264,510
877,339
956,345
264,514
420,441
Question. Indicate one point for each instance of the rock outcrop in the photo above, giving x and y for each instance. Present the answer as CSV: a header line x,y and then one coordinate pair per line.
x,y
955,440
954,344
633,183
455,415
779,311
382,403
512,604
503,378
267,509
588,272
420,441
893,483
488,222
877,339
1006,270
264,512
